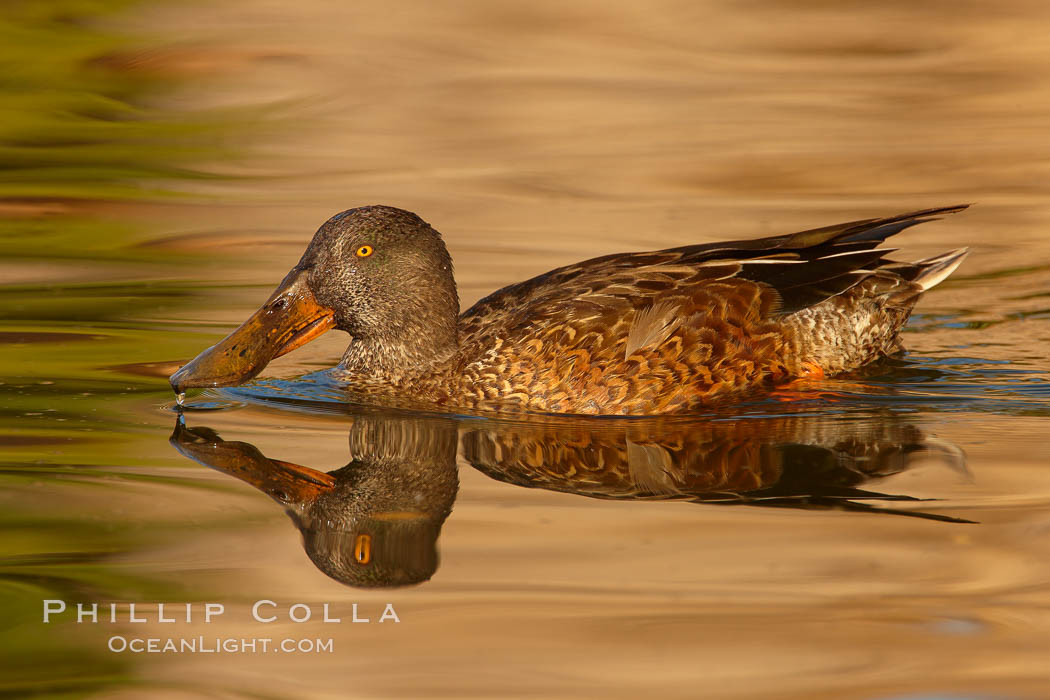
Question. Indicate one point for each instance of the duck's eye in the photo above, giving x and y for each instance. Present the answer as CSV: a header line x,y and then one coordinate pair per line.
x,y
364,251
363,549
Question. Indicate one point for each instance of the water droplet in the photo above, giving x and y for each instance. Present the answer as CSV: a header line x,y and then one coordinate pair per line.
x,y
180,398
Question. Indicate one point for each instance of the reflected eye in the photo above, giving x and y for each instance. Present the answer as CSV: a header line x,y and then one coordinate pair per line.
x,y
363,549
364,251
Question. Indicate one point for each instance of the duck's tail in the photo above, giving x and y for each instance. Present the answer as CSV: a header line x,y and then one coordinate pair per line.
x,y
865,320
933,271
907,281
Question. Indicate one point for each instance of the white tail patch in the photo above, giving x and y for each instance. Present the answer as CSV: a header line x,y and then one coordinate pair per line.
x,y
937,269
652,326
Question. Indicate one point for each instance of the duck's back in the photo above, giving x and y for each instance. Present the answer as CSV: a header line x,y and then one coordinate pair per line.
x,y
678,329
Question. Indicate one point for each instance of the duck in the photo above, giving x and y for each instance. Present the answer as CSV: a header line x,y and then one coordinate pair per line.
x,y
670,331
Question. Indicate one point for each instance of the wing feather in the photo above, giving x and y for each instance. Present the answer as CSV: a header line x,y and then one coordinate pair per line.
x,y
803,268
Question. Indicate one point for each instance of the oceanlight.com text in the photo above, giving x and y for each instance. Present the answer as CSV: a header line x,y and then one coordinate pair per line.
x,y
218,645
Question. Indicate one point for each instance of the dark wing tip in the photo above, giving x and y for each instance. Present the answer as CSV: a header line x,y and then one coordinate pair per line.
x,y
865,230
935,211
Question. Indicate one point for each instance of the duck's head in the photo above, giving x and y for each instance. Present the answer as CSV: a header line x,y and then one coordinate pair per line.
x,y
381,274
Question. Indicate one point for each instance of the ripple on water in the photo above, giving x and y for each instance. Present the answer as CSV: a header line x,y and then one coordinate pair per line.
x,y
205,402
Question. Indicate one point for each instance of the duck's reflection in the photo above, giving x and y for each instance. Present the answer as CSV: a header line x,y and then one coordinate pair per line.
x,y
375,522
801,461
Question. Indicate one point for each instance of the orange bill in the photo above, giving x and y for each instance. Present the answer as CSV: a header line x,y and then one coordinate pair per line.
x,y
290,317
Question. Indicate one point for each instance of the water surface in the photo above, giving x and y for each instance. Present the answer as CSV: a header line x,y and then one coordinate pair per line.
x,y
168,170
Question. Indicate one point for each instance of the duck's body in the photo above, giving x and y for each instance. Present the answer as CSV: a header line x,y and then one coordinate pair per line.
x,y
636,333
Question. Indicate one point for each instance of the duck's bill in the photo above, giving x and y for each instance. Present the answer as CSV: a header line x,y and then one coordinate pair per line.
x,y
291,317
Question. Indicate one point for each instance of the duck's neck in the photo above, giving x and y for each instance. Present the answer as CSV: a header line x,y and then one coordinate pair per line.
x,y
417,345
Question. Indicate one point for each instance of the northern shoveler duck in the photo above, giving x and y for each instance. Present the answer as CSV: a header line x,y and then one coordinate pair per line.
x,y
667,331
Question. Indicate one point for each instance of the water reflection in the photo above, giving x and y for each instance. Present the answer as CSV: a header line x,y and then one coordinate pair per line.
x,y
792,461
376,521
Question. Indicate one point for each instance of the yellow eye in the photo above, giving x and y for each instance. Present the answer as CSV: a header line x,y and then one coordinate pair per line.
x,y
363,549
364,251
